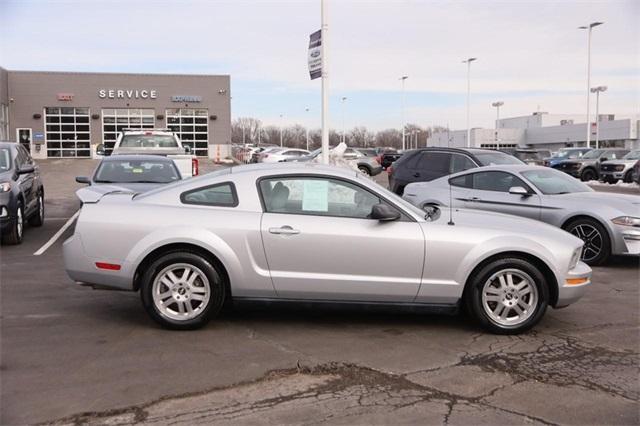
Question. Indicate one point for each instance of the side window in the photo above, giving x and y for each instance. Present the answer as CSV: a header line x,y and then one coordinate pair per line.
x,y
460,163
435,162
316,196
220,195
497,181
465,181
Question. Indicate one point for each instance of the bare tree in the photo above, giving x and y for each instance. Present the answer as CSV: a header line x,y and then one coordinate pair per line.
x,y
361,137
389,138
245,125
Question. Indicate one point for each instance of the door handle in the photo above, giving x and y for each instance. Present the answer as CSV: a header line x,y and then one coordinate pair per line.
x,y
474,199
417,174
284,230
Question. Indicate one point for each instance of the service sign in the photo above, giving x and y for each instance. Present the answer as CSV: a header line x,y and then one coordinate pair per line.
x,y
127,94
315,55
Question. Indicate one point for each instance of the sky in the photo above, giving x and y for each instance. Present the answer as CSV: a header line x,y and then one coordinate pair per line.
x,y
530,54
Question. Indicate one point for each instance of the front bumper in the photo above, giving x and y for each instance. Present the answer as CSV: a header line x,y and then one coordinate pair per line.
x,y
570,293
611,175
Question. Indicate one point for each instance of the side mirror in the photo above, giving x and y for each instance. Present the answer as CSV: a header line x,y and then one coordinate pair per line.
x,y
100,149
26,169
187,149
518,190
383,212
83,179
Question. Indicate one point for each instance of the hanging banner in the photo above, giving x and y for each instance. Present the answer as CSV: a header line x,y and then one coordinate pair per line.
x,y
315,55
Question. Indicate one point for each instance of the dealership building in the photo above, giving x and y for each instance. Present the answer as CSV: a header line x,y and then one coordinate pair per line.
x,y
67,114
547,131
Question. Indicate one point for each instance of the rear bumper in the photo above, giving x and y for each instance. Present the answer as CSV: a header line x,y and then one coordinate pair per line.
x,y
83,270
570,293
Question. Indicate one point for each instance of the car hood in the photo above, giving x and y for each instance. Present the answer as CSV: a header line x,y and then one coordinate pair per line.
x,y
6,176
624,202
621,161
133,186
508,224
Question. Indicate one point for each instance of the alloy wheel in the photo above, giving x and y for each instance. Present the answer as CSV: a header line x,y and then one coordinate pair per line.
x,y
181,291
592,241
509,297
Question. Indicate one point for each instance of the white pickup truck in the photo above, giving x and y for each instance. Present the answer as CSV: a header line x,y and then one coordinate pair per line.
x,y
156,142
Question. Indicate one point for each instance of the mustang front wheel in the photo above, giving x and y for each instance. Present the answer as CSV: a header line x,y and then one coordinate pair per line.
x,y
182,290
508,296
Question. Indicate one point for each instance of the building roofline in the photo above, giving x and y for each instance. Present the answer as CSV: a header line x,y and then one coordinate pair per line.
x,y
114,73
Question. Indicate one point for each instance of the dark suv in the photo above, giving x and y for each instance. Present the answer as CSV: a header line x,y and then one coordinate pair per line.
x,y
587,167
21,192
423,165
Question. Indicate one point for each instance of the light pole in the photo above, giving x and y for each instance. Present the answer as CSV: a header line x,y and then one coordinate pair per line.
x,y
307,110
324,36
344,98
281,130
589,28
597,91
403,78
497,105
468,62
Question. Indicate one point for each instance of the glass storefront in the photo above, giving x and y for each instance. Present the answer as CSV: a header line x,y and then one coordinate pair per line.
x,y
67,131
192,127
118,119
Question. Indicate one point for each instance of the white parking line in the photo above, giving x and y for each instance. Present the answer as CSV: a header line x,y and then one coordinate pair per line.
x,y
57,234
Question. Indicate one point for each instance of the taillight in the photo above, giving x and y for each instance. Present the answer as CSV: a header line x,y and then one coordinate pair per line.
x,y
194,167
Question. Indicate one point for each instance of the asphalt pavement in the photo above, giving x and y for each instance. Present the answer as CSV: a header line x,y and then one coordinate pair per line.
x,y
72,355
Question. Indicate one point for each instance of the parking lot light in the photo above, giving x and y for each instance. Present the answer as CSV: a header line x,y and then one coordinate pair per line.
x,y
589,28
468,62
597,91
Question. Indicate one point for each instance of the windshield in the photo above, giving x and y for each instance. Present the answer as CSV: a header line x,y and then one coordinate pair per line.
x,y
495,158
528,155
5,159
633,155
553,182
149,141
593,154
571,153
137,171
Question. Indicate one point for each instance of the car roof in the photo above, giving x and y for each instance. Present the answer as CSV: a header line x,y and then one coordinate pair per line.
x,y
467,150
134,157
292,168
8,144
517,168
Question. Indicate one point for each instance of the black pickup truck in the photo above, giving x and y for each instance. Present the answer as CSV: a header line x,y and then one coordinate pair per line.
x,y
387,158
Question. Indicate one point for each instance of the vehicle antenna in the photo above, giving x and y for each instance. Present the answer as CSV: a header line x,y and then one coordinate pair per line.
x,y
450,205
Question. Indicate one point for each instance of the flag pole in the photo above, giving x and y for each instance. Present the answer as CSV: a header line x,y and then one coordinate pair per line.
x,y
325,80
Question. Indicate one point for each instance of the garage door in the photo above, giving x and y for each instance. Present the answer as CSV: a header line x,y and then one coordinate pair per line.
x,y
67,132
192,126
116,120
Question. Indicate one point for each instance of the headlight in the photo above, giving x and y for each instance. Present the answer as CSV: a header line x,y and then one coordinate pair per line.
x,y
627,221
5,186
575,258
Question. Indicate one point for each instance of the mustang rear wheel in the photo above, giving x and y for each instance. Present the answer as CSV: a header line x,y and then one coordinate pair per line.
x,y
182,290
507,296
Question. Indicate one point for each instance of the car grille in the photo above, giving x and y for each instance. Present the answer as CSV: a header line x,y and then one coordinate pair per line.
x,y
607,167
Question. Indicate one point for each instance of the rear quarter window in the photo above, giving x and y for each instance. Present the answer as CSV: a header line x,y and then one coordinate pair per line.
x,y
217,195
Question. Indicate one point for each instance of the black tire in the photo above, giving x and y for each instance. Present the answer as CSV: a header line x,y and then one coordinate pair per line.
x,y
588,175
37,219
14,233
628,177
207,312
365,170
473,300
579,227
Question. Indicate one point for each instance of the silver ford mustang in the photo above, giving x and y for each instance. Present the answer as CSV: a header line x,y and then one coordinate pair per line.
x,y
607,223
314,233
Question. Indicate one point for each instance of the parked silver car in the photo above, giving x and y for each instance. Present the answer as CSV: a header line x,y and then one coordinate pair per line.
x,y
614,170
314,233
607,223
138,173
